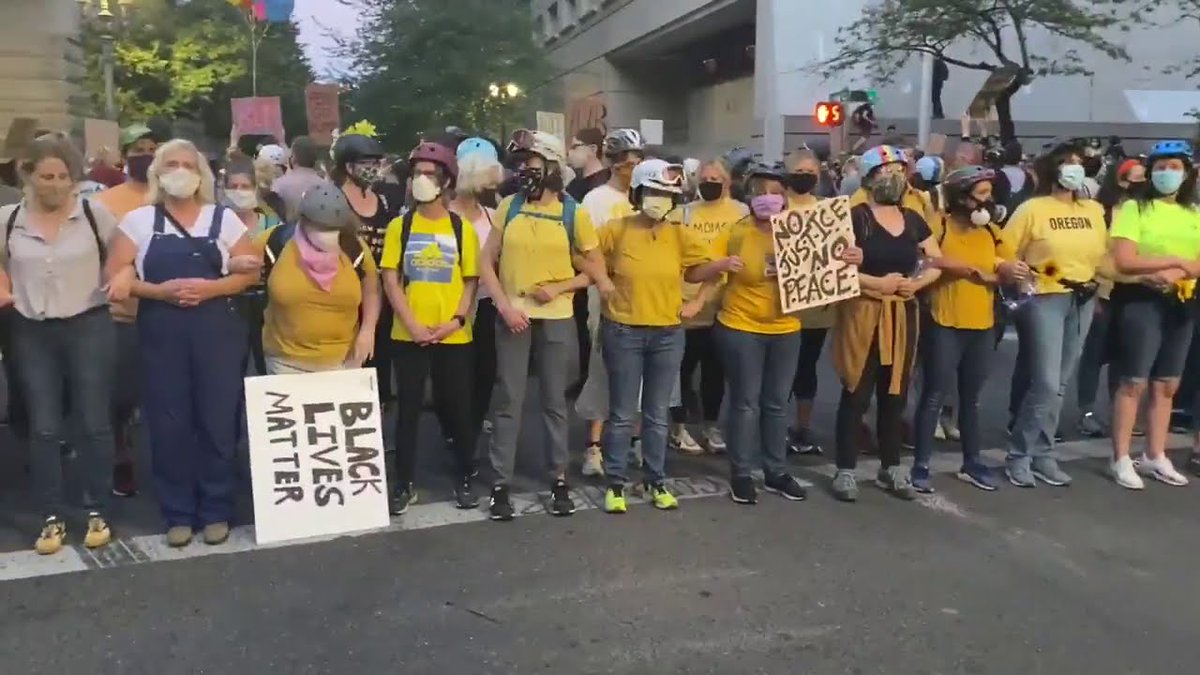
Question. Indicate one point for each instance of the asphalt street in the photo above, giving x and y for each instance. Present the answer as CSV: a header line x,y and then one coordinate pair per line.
x,y
1085,579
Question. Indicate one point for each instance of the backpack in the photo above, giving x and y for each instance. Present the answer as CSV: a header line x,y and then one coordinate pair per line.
x,y
280,236
406,223
87,212
567,218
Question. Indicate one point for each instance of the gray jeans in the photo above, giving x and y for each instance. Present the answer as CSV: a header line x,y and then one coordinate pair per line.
x,y
551,342
75,357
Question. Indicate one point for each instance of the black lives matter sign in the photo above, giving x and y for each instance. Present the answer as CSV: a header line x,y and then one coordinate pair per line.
x,y
808,245
316,455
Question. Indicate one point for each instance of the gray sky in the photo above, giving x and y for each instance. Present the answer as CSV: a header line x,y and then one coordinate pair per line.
x,y
314,17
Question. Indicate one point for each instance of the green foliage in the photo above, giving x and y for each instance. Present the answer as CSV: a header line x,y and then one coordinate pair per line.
x,y
1170,12
417,65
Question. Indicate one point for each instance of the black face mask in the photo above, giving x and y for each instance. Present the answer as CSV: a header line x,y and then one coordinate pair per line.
x,y
1092,166
531,183
802,183
710,191
139,167
488,198
553,181
1136,189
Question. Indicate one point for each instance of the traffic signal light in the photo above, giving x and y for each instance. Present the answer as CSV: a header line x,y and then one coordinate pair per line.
x,y
829,114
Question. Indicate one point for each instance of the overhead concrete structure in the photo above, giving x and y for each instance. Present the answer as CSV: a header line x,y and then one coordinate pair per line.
x,y
35,66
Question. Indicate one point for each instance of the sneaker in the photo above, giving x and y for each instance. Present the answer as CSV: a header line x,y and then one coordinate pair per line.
x,y
179,536
1193,464
1181,421
742,490
1161,470
561,503
98,532
1046,469
786,486
896,482
500,506
713,438
663,499
1126,475
1090,427
593,461
801,442
939,432
50,541
614,499
1018,474
635,452
124,483
464,495
216,533
488,426
404,496
949,424
921,480
978,475
682,441
845,486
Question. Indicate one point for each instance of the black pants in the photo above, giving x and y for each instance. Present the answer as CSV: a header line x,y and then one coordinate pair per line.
x,y
1095,356
700,349
484,347
452,370
18,412
812,341
382,360
584,336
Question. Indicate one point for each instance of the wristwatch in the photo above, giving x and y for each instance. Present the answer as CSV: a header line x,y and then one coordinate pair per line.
x,y
462,320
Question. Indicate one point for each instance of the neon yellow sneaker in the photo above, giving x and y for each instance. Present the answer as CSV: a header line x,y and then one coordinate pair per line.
x,y
663,499
614,500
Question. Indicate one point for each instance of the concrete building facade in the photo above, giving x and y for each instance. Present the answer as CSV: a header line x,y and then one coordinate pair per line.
x,y
36,69
726,72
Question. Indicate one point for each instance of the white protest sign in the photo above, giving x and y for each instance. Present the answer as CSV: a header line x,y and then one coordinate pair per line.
x,y
808,243
553,123
316,454
652,132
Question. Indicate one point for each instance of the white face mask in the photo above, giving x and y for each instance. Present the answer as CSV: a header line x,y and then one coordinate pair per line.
x,y
325,240
242,200
180,183
657,206
981,217
424,190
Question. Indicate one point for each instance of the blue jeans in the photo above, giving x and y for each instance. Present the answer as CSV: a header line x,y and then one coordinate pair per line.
x,y
760,370
641,359
1052,329
954,356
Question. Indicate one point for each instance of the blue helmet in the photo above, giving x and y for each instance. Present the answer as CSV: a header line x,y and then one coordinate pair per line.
x,y
930,167
878,156
476,144
1161,149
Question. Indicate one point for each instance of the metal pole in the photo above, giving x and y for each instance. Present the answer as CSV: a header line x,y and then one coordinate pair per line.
x,y
253,63
925,107
106,57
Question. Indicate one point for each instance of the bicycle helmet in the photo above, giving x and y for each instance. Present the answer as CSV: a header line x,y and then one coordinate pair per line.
x,y
658,174
623,140
325,205
273,154
547,146
968,177
776,171
437,153
1169,149
930,168
477,145
880,155
352,148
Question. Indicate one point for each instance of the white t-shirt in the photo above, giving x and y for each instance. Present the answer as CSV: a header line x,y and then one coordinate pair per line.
x,y
606,203
138,225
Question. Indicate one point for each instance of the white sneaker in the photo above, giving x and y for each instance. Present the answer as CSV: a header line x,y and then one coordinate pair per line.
x,y
593,461
939,432
682,439
1161,470
635,454
1126,476
950,427
714,439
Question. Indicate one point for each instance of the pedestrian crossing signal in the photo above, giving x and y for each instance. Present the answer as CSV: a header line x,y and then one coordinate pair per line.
x,y
829,114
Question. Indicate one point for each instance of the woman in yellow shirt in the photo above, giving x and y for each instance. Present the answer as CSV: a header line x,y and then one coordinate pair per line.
x,y
1054,244
640,333
1156,238
959,341
711,218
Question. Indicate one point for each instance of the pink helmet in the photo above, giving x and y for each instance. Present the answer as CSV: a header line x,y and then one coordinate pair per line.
x,y
437,153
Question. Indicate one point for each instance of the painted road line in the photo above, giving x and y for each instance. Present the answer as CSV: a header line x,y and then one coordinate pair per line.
x,y
26,564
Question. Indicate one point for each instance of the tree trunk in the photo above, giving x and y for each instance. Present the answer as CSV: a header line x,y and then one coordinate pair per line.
x,y
1008,128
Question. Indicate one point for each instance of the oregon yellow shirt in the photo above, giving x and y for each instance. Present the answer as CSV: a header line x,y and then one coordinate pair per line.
x,y
646,265
958,302
751,302
535,250
709,220
434,271
1058,239
817,317
1159,229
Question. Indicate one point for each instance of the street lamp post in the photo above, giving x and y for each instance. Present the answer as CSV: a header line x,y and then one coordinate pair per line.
x,y
101,11
503,94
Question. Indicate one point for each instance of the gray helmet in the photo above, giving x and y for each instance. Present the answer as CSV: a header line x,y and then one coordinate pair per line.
x,y
325,206
623,140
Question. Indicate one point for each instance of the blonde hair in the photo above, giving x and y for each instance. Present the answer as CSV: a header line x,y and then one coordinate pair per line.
x,y
721,167
477,172
205,194
794,158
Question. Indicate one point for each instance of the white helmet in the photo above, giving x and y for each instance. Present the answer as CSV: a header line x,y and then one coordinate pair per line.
x,y
275,154
623,140
658,174
548,146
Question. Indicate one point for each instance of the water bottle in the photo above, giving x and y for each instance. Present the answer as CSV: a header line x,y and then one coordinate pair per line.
x,y
1014,297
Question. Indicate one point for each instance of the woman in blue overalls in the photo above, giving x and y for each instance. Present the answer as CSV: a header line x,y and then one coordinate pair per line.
x,y
188,257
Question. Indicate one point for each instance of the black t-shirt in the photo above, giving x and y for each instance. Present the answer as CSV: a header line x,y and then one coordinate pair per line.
x,y
585,184
884,254
374,226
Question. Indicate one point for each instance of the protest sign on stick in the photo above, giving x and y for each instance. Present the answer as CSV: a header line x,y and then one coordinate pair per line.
x,y
259,115
324,117
316,454
808,244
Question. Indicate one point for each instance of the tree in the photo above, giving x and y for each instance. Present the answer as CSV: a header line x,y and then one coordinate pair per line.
x,y
417,65
1177,11
890,32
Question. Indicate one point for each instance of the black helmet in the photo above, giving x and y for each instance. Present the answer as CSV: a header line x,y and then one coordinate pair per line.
x,y
775,170
737,160
354,147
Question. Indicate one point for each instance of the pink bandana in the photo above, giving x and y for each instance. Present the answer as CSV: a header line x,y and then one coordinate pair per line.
x,y
320,266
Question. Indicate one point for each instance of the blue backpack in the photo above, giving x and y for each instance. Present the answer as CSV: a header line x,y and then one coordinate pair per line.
x,y
567,218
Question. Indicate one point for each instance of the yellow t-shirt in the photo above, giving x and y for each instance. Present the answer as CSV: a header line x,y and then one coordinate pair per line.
x,y
1160,229
1058,239
817,317
434,272
646,265
535,250
709,220
751,301
958,302
305,323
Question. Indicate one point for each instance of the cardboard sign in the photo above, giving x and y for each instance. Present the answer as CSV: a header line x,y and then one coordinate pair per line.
x,y
936,144
20,133
101,138
999,80
808,242
324,116
587,113
553,123
258,115
316,454
652,131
